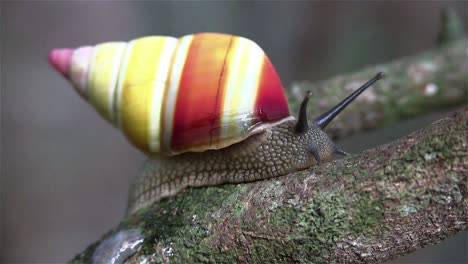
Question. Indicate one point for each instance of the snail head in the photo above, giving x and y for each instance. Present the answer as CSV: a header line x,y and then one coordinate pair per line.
x,y
316,127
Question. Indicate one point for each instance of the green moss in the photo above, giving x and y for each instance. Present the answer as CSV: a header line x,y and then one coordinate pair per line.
x,y
319,226
368,213
325,220
282,217
403,171
200,206
263,251
231,198
238,209
426,152
168,224
407,209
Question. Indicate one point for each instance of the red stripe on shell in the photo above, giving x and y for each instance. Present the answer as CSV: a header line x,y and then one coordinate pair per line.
x,y
199,100
271,103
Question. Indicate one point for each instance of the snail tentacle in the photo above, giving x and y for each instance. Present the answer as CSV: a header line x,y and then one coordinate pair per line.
x,y
340,151
324,119
302,125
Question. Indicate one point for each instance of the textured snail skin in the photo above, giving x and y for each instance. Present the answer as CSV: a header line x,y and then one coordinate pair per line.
x,y
276,151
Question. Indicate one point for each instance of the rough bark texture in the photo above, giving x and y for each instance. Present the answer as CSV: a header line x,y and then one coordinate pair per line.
x,y
431,80
366,208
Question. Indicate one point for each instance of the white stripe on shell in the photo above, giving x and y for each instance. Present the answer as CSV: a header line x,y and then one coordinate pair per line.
x,y
251,80
89,74
79,69
80,65
113,80
176,74
160,84
243,82
123,68
229,110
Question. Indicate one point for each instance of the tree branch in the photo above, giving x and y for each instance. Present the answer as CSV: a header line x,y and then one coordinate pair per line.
x,y
414,85
383,203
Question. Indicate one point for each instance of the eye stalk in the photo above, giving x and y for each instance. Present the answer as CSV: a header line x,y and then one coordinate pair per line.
x,y
323,120
302,125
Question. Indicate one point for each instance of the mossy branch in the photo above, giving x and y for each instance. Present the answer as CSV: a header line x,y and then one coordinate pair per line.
x,y
414,85
366,208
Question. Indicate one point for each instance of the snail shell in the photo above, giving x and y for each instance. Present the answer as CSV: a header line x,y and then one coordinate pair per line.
x,y
169,96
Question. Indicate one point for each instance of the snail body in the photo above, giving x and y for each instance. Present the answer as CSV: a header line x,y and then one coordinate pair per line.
x,y
207,108
274,152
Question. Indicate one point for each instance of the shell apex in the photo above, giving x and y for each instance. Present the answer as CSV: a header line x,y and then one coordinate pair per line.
x,y
60,59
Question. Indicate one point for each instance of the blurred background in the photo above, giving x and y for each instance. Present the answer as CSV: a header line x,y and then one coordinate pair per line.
x,y
65,171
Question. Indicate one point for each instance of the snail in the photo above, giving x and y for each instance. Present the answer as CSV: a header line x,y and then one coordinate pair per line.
x,y
207,108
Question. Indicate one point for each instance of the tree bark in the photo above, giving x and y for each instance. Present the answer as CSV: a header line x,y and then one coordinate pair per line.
x,y
366,208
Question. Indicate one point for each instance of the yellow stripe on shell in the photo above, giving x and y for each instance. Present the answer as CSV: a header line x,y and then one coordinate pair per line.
x,y
120,84
102,80
138,86
242,81
171,94
159,88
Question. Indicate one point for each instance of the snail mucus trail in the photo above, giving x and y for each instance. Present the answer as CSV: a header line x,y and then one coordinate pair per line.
x,y
168,95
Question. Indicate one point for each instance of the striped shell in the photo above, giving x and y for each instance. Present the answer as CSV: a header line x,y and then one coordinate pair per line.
x,y
169,95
